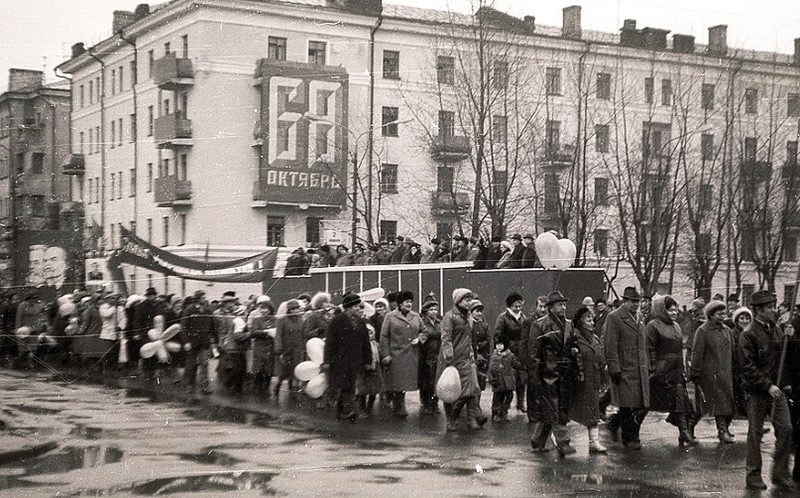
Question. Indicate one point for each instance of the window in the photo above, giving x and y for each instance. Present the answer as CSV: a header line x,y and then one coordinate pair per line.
x,y
444,230
100,91
37,206
149,230
551,193
121,79
707,101
276,48
666,92
388,178
601,138
119,137
275,228
388,229
552,138
705,199
791,153
184,101
747,292
150,62
113,133
119,186
185,46
165,226
182,224
751,101
312,231
445,70
553,81
113,81
389,116
750,149
80,95
132,181
601,242
163,172
81,146
133,128
316,53
790,249
37,163
91,140
447,123
89,188
99,140
20,162
391,65
134,76
113,185
500,74
91,92
500,184
167,49
149,177
788,291
150,121
444,179
648,90
165,107
601,191
97,189
793,105
183,167
707,146
499,129
603,86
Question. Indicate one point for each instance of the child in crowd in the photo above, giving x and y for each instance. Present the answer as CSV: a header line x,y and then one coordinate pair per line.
x,y
370,382
502,377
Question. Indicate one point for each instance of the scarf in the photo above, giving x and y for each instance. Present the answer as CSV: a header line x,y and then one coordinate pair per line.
x,y
517,316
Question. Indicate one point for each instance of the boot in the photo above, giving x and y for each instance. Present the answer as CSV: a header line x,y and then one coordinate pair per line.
x,y
684,436
725,437
595,446
566,449
400,405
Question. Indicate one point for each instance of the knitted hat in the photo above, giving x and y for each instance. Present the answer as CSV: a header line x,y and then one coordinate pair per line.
x,y
292,304
382,301
430,300
501,339
587,301
476,303
460,294
713,307
404,296
744,310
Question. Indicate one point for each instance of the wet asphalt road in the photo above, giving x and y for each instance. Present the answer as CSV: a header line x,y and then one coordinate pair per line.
x,y
113,441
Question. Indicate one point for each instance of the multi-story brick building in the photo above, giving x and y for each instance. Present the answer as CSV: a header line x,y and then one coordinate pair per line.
x,y
34,144
215,128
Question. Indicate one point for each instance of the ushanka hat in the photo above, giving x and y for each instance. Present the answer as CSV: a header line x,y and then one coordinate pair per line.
x,y
460,294
404,296
556,297
713,307
430,300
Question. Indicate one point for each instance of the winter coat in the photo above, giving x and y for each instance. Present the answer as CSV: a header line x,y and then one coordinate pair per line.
x,y
626,354
502,371
759,356
516,256
585,403
316,324
234,337
397,254
429,350
347,351
457,350
712,368
554,369
198,326
258,322
460,254
482,344
411,258
665,352
504,261
289,343
113,320
297,264
512,328
529,257
142,319
493,257
397,334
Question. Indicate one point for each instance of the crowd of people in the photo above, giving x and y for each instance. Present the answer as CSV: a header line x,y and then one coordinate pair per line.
x,y
639,354
516,252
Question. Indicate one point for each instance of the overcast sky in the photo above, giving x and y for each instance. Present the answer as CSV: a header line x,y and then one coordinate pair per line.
x,y
37,34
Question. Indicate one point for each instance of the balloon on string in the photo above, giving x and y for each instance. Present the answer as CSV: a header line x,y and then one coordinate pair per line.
x,y
173,347
23,332
315,349
566,254
547,249
148,350
317,386
372,294
306,370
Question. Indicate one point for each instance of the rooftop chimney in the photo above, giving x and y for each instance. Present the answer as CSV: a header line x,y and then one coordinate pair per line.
x,y
142,10
571,27
718,39
630,36
683,44
797,51
530,21
78,49
122,19
21,79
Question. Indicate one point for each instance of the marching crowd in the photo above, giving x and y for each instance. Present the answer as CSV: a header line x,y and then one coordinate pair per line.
x,y
638,354
517,252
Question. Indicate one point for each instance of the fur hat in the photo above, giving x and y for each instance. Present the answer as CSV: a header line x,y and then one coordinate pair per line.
x,y
460,294
404,296
513,298
713,307
556,297
151,291
430,300
576,320
744,310
501,339
350,299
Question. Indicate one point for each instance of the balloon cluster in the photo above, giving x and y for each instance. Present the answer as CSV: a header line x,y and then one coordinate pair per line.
x,y
554,252
310,370
160,344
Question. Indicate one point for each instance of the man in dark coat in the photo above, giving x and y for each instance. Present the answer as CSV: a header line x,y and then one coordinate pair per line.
x,y
198,328
759,356
549,367
399,251
509,324
141,322
517,252
626,353
298,263
347,353
460,249
528,252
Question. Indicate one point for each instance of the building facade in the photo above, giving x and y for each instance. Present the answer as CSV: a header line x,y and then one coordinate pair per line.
x,y
214,128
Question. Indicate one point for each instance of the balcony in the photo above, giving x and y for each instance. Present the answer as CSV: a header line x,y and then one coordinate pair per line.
x,y
171,192
450,148
75,166
172,131
173,73
447,203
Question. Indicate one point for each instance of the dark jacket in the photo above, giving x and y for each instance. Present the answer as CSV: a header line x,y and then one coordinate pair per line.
x,y
626,353
142,319
458,350
297,264
316,324
347,351
512,329
198,326
759,357
516,256
712,368
429,350
665,352
502,371
584,405
460,254
528,257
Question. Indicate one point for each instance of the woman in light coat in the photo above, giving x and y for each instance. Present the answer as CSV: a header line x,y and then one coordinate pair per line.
x,y
400,337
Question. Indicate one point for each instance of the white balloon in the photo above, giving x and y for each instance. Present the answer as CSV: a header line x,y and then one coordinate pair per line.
x,y
566,254
372,294
547,249
317,386
23,331
315,349
148,350
306,370
173,347
161,352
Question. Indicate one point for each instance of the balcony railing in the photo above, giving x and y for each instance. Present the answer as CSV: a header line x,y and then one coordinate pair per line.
x,y
450,148
75,166
172,73
447,203
169,191
173,130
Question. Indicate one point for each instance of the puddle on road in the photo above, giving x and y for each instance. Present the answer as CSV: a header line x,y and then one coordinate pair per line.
x,y
222,482
230,415
68,459
210,456
36,410
86,432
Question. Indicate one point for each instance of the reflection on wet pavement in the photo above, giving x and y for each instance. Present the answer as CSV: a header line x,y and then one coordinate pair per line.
x,y
208,483
66,460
